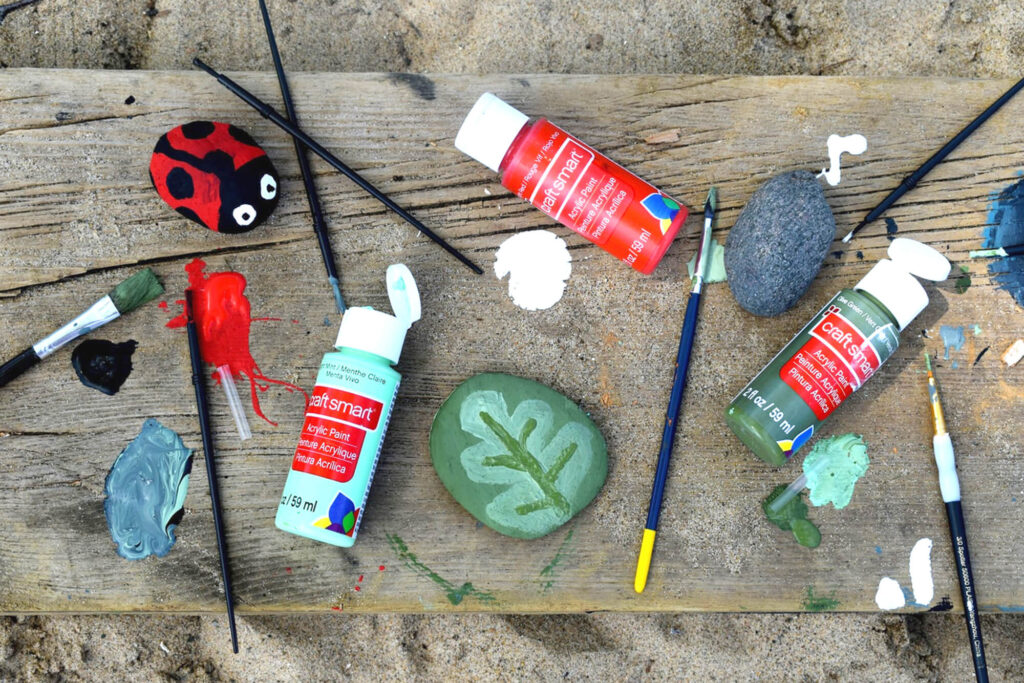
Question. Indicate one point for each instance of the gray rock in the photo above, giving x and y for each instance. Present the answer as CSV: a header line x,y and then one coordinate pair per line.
x,y
779,243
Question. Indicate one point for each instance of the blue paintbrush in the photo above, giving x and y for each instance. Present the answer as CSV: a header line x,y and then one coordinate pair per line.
x,y
643,563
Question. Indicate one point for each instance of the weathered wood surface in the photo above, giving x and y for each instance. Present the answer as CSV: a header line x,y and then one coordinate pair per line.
x,y
77,214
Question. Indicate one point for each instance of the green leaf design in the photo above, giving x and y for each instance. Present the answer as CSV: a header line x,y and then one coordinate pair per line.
x,y
538,466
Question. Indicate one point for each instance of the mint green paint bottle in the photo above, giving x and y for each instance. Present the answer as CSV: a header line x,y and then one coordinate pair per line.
x,y
834,354
348,413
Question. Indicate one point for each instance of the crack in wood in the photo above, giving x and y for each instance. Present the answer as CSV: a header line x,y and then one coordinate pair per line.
x,y
91,119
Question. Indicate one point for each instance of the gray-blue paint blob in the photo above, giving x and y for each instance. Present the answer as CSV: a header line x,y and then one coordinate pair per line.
x,y
146,490
1005,229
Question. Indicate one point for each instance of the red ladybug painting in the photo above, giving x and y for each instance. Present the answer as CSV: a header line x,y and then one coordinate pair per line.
x,y
214,174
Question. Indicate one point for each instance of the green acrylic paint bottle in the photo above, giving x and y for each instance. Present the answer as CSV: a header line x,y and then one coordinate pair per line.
x,y
348,413
834,354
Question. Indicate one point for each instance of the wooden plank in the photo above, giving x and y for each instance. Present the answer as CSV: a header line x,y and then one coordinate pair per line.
x,y
77,214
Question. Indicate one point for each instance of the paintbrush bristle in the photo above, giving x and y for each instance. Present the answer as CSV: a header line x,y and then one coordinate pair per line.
x,y
712,201
135,291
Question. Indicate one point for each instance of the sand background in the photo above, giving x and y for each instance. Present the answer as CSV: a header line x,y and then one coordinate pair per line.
x,y
958,38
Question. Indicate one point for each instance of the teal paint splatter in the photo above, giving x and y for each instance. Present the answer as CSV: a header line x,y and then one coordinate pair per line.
x,y
819,603
454,594
1006,228
952,338
145,492
716,264
833,467
547,574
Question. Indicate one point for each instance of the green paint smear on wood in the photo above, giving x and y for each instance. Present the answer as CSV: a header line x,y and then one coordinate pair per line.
x,y
455,595
833,467
792,517
548,573
716,266
819,603
963,283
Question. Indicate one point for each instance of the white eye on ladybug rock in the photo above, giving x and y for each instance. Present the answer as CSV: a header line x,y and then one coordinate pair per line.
x,y
244,214
268,186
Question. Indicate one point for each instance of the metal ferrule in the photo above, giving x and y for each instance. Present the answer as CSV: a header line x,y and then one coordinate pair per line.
x,y
97,315
703,254
933,395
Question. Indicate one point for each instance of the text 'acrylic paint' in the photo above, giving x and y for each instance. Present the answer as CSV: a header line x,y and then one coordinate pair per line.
x,y
577,186
346,418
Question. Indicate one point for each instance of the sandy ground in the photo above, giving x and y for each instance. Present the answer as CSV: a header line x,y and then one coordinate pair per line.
x,y
915,37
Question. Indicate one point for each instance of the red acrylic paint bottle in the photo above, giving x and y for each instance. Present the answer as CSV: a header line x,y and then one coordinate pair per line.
x,y
577,186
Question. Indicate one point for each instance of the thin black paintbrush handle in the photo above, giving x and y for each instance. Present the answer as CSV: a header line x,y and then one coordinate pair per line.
x,y
911,180
268,112
958,533
319,225
17,365
672,413
211,470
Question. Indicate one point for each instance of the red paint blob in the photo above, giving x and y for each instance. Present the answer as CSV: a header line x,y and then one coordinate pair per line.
x,y
288,570
380,568
163,305
356,587
360,578
336,608
222,315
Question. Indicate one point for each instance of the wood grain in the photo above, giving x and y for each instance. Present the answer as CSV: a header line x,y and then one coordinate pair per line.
x,y
77,215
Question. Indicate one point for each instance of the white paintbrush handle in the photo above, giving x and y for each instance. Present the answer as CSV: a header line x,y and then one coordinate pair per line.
x,y
945,461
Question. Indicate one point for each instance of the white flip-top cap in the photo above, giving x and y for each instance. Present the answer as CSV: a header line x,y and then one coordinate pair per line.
x,y
489,130
893,281
377,332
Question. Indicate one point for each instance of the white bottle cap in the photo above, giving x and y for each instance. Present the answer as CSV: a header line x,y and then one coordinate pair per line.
x,y
893,282
489,130
376,332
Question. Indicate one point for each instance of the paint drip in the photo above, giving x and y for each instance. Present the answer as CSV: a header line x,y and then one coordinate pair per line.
x,y
538,264
1006,228
833,467
837,146
145,492
103,365
716,265
223,321
952,338
921,572
889,594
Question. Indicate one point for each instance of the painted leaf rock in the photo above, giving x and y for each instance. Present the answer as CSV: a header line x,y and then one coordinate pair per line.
x,y
778,243
520,457
214,174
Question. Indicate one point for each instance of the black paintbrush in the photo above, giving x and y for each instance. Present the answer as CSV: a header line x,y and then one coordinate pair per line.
x,y
284,124
319,227
211,471
127,296
911,180
1014,250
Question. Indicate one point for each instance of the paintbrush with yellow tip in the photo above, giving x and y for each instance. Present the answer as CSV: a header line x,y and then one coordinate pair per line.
x,y
700,270
949,485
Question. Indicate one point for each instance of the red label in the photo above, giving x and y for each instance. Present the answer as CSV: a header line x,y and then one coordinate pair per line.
x,y
834,362
588,192
328,448
343,405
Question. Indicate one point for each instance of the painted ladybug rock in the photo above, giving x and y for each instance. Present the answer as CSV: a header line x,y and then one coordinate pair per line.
x,y
214,174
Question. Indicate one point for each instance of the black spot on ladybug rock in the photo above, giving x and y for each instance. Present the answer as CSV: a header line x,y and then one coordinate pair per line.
x,y
197,130
179,184
103,365
216,175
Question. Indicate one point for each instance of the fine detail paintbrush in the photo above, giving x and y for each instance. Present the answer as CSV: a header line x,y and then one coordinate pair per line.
x,y
949,486
643,563
1013,250
211,468
287,126
319,225
911,180
127,296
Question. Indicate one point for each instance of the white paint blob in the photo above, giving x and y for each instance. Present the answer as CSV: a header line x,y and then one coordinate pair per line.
x,y
889,595
921,572
538,264
837,145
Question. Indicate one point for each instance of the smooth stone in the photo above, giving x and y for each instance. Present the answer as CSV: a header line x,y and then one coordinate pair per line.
x,y
778,243
517,455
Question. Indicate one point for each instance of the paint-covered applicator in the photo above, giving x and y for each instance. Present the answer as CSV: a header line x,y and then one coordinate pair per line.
x,y
319,226
999,252
127,296
949,486
643,562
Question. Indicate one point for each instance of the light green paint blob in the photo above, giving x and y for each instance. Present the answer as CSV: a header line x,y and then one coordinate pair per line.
x,y
819,603
716,267
454,594
548,573
846,459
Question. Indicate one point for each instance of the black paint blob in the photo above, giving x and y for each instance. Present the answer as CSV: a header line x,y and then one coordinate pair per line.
x,y
103,365
891,229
